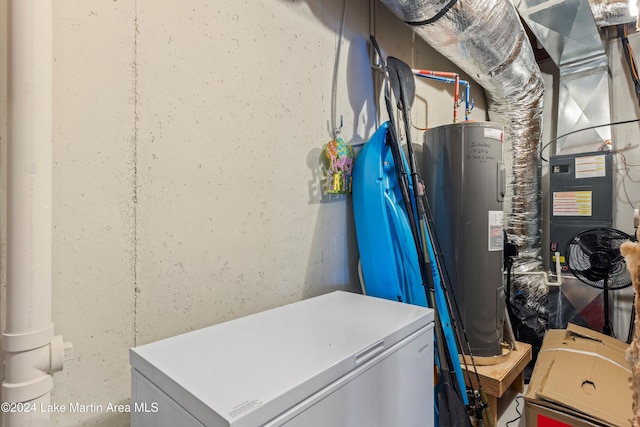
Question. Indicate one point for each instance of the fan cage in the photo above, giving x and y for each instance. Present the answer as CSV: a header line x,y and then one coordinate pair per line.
x,y
593,256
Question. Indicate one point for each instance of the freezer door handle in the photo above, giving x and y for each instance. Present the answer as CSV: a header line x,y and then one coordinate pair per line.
x,y
369,352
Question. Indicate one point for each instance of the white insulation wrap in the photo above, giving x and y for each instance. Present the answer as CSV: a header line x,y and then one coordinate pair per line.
x,y
486,40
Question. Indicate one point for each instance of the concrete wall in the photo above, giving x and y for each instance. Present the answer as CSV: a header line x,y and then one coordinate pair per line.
x,y
626,137
626,181
187,190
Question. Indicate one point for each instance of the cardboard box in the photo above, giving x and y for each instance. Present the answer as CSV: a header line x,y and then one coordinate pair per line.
x,y
581,378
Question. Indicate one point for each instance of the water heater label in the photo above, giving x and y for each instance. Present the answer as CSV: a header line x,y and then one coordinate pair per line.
x,y
591,167
572,203
495,231
493,134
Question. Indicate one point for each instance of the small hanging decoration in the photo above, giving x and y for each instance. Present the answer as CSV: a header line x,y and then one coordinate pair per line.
x,y
340,157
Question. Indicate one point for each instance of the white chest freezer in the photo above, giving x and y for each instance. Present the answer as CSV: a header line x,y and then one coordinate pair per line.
x,y
340,359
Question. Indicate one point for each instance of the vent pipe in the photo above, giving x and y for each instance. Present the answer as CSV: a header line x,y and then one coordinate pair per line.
x,y
568,32
31,350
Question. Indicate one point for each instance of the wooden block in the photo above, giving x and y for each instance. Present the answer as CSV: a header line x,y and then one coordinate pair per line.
x,y
497,379
493,406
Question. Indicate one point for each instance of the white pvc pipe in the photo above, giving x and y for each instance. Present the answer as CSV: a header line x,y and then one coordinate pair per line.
x,y
544,274
31,350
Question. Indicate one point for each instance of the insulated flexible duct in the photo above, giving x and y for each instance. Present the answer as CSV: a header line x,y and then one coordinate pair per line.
x,y
486,40
610,12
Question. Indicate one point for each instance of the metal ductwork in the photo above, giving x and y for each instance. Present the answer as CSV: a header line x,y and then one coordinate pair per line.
x,y
611,12
568,32
486,39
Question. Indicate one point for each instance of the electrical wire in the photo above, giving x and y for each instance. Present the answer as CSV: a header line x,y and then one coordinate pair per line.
x,y
626,175
517,410
623,32
623,160
335,130
633,70
581,130
631,60
626,164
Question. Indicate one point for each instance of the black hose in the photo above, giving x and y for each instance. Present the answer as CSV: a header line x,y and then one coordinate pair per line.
x,y
628,54
435,17
623,122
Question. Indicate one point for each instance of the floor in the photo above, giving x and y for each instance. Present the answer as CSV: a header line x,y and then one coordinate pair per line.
x,y
513,415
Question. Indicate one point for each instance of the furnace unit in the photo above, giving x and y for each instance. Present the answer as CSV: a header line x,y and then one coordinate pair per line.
x,y
580,187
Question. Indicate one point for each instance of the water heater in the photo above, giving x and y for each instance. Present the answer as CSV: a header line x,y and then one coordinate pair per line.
x,y
465,183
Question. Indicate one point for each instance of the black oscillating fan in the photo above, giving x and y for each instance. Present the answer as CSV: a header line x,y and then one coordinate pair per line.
x,y
593,256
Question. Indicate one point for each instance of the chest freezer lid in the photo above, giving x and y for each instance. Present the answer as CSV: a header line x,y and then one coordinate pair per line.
x,y
247,371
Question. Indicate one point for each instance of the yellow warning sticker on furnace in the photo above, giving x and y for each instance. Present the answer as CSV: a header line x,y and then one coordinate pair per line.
x,y
572,203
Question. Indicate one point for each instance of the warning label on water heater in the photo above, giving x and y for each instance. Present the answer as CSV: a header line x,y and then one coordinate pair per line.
x,y
495,231
493,134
